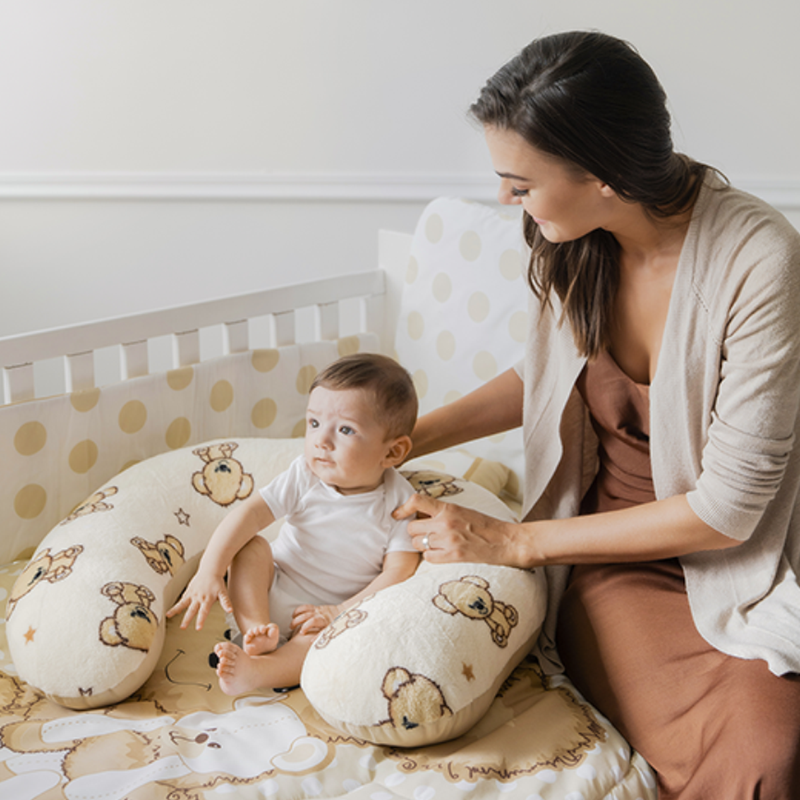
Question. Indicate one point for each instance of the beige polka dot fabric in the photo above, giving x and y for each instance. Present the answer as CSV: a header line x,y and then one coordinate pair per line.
x,y
463,316
63,448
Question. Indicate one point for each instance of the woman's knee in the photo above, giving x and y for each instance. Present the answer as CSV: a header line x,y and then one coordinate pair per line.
x,y
768,739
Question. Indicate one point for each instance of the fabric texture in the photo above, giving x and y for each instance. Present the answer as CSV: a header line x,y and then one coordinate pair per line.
x,y
712,726
319,547
438,648
627,639
724,416
620,414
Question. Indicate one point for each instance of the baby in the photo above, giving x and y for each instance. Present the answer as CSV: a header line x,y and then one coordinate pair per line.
x,y
339,542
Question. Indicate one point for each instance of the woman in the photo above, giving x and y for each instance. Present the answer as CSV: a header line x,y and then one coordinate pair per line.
x,y
659,400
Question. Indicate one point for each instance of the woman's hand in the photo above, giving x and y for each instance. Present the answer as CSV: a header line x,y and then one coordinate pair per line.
x,y
312,619
446,532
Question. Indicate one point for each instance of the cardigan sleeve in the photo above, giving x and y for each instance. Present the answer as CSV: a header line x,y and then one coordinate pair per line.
x,y
754,317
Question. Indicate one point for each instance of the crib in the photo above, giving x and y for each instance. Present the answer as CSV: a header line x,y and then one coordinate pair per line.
x,y
84,403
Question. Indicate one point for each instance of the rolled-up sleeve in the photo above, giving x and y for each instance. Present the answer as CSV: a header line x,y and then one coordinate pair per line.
x,y
752,427
741,475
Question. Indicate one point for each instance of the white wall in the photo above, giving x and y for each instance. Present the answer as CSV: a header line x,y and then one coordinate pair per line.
x,y
154,152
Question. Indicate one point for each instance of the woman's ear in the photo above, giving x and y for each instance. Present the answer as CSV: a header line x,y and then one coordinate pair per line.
x,y
606,190
397,452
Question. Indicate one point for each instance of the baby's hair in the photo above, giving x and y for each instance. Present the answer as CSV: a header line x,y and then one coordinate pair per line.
x,y
390,384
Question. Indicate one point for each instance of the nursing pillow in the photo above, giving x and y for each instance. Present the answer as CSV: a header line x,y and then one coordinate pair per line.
x,y
85,619
421,661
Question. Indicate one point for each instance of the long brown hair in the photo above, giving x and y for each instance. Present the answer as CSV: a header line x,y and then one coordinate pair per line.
x,y
590,100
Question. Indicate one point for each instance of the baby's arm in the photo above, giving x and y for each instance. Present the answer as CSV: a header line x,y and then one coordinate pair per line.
x,y
208,585
397,567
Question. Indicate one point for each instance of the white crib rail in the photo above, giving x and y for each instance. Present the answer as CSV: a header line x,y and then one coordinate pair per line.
x,y
77,344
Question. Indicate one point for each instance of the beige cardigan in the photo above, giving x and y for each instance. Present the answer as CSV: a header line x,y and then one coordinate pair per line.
x,y
724,413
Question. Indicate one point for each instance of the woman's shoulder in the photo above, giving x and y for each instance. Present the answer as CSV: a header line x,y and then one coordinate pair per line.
x,y
736,237
729,214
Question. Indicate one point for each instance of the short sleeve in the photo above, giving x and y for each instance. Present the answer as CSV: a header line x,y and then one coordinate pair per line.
x,y
398,490
284,492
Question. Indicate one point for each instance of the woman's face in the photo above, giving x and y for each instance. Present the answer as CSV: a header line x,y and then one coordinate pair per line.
x,y
564,204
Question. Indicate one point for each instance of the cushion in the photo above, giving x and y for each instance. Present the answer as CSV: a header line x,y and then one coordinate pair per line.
x,y
463,312
100,582
420,662
85,619
460,463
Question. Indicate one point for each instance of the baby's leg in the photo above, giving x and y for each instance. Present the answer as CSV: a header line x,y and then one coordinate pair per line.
x,y
249,580
239,672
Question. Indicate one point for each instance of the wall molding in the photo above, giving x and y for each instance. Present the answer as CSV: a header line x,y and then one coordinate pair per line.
x,y
322,187
783,193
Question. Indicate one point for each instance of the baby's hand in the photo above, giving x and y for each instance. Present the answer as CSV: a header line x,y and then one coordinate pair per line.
x,y
199,597
312,619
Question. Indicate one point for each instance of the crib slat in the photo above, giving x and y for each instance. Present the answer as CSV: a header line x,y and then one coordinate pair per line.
x,y
283,330
236,337
134,360
185,348
372,313
18,383
20,352
326,321
79,371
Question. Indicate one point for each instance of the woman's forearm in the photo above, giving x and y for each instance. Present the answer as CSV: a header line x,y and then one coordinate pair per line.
x,y
647,532
492,408
446,532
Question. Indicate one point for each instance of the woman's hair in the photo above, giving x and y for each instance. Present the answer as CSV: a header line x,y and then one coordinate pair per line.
x,y
591,101
390,385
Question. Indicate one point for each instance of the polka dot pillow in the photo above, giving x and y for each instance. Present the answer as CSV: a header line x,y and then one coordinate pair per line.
x,y
463,316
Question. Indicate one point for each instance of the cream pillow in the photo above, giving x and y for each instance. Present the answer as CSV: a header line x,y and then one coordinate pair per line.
x,y
100,582
420,662
85,619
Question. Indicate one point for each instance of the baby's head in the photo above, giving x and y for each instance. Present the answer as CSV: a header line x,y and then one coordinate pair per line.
x,y
361,411
391,391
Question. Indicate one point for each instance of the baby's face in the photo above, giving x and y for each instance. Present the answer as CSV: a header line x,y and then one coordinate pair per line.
x,y
345,444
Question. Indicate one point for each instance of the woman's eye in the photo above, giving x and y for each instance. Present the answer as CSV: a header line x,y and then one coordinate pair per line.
x,y
518,192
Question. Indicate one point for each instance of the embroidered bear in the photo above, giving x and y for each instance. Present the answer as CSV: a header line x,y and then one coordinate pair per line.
x,y
349,619
223,478
44,567
432,484
414,700
163,556
92,504
470,596
133,623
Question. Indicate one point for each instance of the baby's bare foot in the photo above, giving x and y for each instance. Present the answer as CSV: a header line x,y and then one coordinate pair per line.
x,y
261,639
238,672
